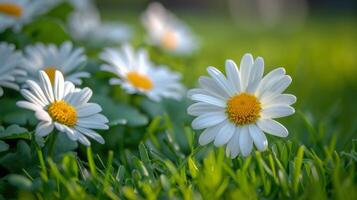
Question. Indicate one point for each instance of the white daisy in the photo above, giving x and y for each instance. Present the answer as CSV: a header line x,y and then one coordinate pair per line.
x,y
9,67
85,25
167,32
64,107
237,109
136,74
16,13
50,58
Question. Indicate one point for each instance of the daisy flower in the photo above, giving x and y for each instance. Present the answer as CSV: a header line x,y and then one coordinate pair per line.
x,y
16,13
9,67
136,74
167,32
85,25
237,109
50,58
62,106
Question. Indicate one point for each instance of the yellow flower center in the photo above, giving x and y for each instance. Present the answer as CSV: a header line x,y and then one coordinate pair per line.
x,y
63,113
51,71
169,40
11,9
139,81
243,109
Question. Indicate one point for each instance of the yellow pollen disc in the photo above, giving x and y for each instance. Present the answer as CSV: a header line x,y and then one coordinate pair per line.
x,y
243,109
11,9
139,81
63,113
51,71
169,40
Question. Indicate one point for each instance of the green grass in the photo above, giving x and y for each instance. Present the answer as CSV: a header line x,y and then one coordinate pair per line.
x,y
155,155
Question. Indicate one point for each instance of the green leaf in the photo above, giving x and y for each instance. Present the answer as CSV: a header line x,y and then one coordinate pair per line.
x,y
192,167
21,158
20,182
3,146
21,117
47,30
297,168
13,131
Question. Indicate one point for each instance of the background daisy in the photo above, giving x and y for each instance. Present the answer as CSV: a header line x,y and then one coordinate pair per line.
x,y
15,13
10,60
50,58
136,74
85,25
235,110
61,106
166,31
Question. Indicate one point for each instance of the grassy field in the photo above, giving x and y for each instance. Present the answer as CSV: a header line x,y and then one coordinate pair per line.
x,y
156,155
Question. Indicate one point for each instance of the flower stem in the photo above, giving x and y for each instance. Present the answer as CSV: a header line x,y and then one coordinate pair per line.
x,y
51,144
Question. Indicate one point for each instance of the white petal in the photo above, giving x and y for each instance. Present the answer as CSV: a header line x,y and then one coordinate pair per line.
x,y
60,127
194,91
232,149
88,109
43,116
200,108
90,133
58,86
210,85
68,88
71,133
65,129
80,97
82,139
245,141
28,105
245,65
46,86
276,111
208,120
285,99
32,98
96,118
209,134
36,89
220,80
258,137
272,127
87,124
86,94
271,76
233,75
256,74
44,128
225,134
277,88
209,99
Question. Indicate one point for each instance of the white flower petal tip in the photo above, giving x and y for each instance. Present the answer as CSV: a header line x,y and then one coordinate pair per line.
x,y
166,31
64,107
50,58
10,66
137,74
22,13
237,110
85,24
